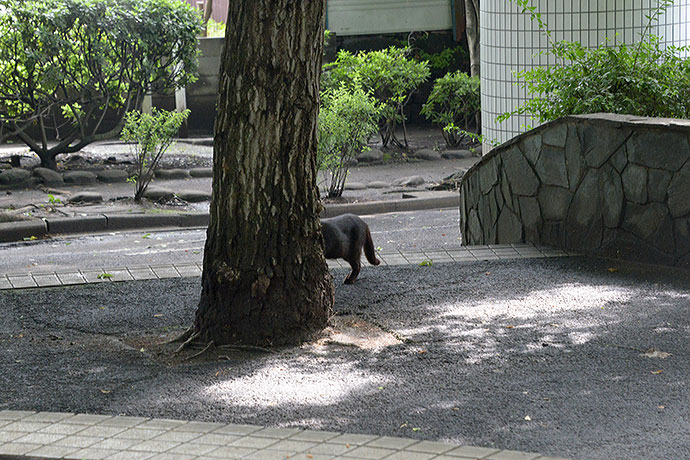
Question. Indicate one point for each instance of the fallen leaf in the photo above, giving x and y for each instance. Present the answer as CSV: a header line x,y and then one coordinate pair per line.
x,y
654,353
104,391
528,418
661,407
421,352
403,425
657,372
510,327
456,408
416,429
158,315
488,273
612,269
142,350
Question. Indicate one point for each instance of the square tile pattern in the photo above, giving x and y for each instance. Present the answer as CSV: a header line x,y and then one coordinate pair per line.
x,y
43,435
394,258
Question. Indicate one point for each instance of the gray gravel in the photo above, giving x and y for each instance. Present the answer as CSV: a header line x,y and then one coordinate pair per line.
x,y
537,355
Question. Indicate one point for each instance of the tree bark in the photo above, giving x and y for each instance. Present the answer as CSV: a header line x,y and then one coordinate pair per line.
x,y
472,29
265,280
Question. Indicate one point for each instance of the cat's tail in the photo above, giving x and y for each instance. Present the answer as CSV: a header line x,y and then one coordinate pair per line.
x,y
369,250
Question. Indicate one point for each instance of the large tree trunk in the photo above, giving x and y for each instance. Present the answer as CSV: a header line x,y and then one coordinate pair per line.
x,y
265,280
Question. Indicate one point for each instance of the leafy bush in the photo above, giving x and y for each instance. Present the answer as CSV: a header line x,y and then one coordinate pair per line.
x,y
71,69
644,79
454,101
347,119
152,134
389,75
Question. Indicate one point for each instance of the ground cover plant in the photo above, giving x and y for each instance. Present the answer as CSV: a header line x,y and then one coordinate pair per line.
x,y
646,78
71,69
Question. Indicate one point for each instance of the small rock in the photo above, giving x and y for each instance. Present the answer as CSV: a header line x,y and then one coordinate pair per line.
x,y
74,158
378,184
15,177
158,193
86,197
172,174
193,196
355,186
427,154
201,172
111,160
112,175
411,181
456,154
79,177
48,176
370,156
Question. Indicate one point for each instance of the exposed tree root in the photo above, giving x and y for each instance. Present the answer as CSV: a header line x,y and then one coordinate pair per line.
x,y
187,342
247,348
204,350
182,337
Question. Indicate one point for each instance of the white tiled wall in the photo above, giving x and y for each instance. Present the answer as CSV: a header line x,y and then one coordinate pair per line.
x,y
511,42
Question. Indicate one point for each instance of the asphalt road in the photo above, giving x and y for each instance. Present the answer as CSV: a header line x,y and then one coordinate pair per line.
x,y
545,355
430,229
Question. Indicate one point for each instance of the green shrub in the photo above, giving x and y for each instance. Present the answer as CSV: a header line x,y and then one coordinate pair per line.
x,y
389,75
71,69
646,79
347,119
151,135
454,101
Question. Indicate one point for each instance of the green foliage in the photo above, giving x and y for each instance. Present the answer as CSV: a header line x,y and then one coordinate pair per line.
x,y
215,29
443,61
151,135
347,119
645,79
454,101
65,63
389,75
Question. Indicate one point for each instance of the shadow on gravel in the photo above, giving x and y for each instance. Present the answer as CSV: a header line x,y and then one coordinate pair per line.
x,y
561,356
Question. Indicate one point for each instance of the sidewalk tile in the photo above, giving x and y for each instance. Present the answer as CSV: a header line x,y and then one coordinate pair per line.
x,y
119,274
102,431
471,452
230,452
199,427
291,445
115,444
50,417
40,438
71,278
188,271
217,439
390,442
62,428
373,453
53,451
92,454
95,276
17,448
431,447
173,456
86,419
77,441
152,445
278,433
409,455
237,429
26,427
315,436
21,281
142,273
331,449
8,436
356,439
5,283
270,455
333,263
254,443
124,421
512,455
308,456
178,436
161,424
15,414
139,433
165,271
47,280
193,449
131,455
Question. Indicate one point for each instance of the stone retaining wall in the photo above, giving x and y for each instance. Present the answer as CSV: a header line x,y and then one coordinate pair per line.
x,y
610,185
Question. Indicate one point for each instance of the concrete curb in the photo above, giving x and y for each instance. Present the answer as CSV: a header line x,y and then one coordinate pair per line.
x,y
18,231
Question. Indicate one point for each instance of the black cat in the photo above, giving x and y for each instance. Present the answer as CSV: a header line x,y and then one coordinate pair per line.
x,y
345,236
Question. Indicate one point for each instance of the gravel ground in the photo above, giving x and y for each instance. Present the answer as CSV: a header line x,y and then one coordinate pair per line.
x,y
542,355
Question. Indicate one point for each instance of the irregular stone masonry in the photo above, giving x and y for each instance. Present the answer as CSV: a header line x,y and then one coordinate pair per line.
x,y
603,184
